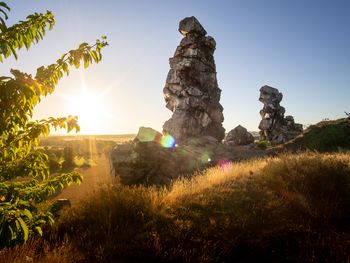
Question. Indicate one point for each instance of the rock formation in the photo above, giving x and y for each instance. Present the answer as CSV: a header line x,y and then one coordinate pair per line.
x,y
191,138
152,158
239,136
191,91
325,136
274,127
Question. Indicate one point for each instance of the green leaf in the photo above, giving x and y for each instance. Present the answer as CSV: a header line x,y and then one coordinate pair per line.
x,y
12,233
4,5
13,52
24,228
20,159
39,230
27,213
5,14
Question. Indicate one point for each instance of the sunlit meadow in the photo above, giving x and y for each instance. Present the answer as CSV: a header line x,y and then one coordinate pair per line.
x,y
292,208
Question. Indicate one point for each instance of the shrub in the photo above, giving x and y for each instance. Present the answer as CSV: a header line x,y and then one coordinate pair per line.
x,y
262,144
54,163
25,180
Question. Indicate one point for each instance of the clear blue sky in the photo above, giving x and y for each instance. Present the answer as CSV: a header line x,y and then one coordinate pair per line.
x,y
300,47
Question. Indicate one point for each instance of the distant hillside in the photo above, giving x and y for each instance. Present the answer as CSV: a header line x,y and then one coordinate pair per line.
x,y
325,136
105,137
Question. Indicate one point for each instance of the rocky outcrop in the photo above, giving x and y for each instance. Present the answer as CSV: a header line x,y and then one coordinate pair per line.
x,y
155,159
325,136
191,91
274,127
239,136
191,138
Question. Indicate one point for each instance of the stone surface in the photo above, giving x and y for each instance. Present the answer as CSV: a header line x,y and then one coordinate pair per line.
x,y
239,136
191,91
156,163
191,25
274,127
191,138
152,162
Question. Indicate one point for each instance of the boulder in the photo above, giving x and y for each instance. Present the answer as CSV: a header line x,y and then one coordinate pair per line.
x,y
239,136
191,25
159,161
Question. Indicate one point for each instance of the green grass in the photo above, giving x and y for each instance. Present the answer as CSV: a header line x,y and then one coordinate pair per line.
x,y
294,208
262,144
325,136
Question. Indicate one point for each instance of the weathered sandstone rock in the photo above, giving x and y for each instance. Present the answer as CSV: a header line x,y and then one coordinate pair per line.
x,y
191,138
274,127
239,136
154,159
191,91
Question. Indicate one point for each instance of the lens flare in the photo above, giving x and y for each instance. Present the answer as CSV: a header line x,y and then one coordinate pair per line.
x,y
146,134
168,141
224,163
205,158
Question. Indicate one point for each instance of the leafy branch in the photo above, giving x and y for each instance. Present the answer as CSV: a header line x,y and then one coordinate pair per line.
x,y
4,8
25,178
24,33
20,94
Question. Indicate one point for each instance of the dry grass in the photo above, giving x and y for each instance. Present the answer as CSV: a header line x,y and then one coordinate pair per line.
x,y
40,251
294,208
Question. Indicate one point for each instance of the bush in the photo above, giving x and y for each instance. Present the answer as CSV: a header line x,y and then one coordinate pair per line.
x,y
54,164
25,180
262,144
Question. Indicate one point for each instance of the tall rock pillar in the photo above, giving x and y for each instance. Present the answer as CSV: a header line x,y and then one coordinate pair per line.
x,y
191,91
274,127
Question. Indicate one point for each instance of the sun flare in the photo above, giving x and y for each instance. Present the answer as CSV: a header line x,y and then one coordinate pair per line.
x,y
90,110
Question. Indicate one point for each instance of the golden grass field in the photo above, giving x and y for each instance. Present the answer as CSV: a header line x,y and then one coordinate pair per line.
x,y
291,208
96,176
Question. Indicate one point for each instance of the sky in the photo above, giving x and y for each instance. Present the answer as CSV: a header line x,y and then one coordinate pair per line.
x,y
300,47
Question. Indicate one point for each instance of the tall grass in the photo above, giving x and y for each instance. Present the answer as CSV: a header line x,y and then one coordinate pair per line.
x,y
293,208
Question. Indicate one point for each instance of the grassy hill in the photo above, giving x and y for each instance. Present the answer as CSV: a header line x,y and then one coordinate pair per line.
x,y
292,208
325,136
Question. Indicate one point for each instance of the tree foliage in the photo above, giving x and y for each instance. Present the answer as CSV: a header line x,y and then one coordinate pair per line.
x,y
25,180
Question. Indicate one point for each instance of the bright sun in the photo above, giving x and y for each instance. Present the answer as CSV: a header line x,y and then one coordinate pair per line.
x,y
90,110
